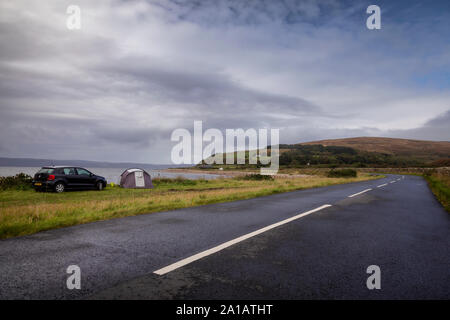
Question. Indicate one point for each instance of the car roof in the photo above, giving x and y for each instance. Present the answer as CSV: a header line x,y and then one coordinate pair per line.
x,y
59,167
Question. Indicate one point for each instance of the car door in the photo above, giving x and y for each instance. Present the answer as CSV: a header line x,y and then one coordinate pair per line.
x,y
71,178
86,178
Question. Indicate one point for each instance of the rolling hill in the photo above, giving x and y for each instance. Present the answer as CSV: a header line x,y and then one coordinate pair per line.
x,y
362,152
418,149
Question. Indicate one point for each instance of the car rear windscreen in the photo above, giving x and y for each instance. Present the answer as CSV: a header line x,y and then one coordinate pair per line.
x,y
46,170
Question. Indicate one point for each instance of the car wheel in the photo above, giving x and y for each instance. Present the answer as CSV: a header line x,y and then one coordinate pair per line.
x,y
99,186
59,187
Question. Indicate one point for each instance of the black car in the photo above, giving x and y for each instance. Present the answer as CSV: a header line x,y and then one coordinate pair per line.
x,y
61,178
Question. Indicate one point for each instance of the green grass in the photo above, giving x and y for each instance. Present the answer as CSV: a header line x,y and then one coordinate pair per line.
x,y
440,186
26,211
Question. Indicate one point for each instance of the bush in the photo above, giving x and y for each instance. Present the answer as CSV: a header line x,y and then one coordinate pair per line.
x,y
441,163
20,181
342,173
257,177
180,181
429,172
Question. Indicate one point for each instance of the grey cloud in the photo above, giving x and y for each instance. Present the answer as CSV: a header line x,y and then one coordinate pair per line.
x,y
250,12
131,76
141,137
435,129
210,91
442,121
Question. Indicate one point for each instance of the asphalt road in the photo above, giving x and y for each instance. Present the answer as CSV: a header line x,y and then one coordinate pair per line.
x,y
399,227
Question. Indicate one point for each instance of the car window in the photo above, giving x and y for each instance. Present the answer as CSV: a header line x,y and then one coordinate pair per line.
x,y
83,172
69,171
46,170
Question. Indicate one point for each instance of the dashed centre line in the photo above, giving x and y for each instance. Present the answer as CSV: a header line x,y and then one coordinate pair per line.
x,y
227,244
355,194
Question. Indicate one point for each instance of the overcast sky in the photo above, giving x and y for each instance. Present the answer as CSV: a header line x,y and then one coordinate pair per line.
x,y
115,89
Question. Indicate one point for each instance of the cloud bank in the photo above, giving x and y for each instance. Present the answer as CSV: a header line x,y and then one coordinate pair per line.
x,y
137,70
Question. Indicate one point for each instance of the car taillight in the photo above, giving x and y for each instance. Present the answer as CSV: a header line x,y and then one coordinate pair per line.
x,y
51,177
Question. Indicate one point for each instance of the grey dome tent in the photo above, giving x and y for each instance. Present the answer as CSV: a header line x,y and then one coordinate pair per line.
x,y
136,178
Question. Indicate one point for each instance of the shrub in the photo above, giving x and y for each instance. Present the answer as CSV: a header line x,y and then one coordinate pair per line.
x,y
180,181
342,173
20,181
429,172
257,177
441,163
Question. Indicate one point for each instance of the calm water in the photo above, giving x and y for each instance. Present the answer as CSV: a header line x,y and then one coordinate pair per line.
x,y
111,174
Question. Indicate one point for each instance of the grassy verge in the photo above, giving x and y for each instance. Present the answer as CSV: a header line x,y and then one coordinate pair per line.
x,y
439,184
26,211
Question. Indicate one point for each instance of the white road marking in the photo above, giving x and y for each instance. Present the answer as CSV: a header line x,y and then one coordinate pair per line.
x,y
227,244
382,185
392,182
359,193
